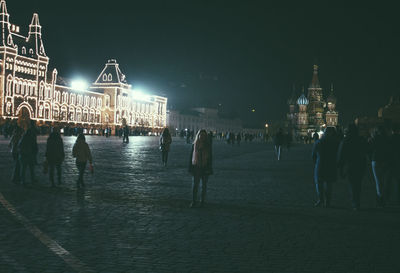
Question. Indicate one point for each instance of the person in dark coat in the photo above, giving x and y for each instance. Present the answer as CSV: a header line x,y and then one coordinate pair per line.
x,y
238,138
165,143
200,165
279,139
27,152
352,156
394,164
325,171
15,138
380,154
81,152
54,155
126,134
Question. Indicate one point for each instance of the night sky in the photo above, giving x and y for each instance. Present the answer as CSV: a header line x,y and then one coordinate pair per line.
x,y
242,56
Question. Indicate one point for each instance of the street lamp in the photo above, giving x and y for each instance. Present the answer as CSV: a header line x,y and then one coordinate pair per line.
x,y
79,85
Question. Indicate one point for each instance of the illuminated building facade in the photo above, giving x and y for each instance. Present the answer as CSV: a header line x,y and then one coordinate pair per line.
x,y
312,112
29,90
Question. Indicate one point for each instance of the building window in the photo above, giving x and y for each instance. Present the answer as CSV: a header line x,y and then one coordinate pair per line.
x,y
109,77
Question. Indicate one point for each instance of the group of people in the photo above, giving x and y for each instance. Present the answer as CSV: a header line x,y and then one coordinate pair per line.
x,y
348,156
24,150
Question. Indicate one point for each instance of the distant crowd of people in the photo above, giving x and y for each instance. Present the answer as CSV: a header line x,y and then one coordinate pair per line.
x,y
334,153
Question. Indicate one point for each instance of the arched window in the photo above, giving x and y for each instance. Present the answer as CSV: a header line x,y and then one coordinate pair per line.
x,y
9,85
41,111
109,77
31,51
23,50
9,40
104,77
107,101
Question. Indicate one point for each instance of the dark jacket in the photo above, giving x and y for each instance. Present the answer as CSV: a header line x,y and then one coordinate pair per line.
x,y
27,146
82,152
207,170
395,148
379,149
324,156
352,156
55,149
279,139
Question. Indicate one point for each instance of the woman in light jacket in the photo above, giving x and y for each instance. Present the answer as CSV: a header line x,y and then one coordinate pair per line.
x,y
81,152
200,165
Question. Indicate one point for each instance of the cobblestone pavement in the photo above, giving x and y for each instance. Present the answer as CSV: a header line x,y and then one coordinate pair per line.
x,y
134,215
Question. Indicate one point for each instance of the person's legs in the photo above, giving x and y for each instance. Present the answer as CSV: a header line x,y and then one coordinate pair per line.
x,y
204,181
23,165
17,171
195,188
31,165
355,191
166,157
318,189
81,168
58,167
51,174
378,172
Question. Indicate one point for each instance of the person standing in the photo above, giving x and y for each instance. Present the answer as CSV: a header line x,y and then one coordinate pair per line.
x,y
27,152
165,143
238,138
15,138
54,155
380,152
352,156
81,152
200,165
278,142
126,134
394,164
325,167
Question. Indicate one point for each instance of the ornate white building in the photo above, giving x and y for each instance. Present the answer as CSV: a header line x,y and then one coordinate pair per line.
x,y
28,89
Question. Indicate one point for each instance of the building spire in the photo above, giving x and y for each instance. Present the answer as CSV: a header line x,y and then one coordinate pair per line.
x,y
35,32
35,27
5,25
315,81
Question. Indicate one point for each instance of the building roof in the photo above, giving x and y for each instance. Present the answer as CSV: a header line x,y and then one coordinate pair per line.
x,y
315,81
111,74
331,98
302,100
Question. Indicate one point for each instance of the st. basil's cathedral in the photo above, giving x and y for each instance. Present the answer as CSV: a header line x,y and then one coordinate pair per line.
x,y
312,111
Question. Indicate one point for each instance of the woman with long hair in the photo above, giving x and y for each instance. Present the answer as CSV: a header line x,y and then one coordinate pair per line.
x,y
200,165
81,152
165,143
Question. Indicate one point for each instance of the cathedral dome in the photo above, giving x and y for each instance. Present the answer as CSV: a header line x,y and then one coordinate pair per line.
x,y
302,100
331,99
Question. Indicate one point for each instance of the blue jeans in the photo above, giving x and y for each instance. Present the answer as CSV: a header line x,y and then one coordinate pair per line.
x,y
195,187
379,171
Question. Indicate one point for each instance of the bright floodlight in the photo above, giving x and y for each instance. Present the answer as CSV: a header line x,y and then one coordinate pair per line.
x,y
139,95
79,85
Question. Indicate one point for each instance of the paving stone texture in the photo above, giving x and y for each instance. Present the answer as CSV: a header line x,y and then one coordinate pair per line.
x,y
134,215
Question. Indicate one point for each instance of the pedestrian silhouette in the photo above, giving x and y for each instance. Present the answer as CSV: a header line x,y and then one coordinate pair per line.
x,y
54,155
165,143
200,165
81,152
352,156
325,167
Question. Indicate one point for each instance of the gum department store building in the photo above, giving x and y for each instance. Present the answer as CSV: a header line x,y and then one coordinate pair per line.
x,y
29,90
313,112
